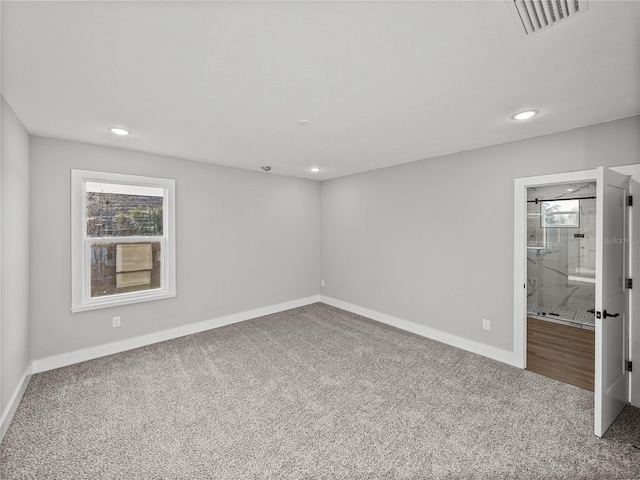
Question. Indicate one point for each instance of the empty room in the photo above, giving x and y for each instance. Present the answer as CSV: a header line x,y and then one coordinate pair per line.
x,y
320,239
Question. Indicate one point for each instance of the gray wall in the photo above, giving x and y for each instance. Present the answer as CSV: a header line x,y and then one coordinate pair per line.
x,y
14,244
431,242
245,240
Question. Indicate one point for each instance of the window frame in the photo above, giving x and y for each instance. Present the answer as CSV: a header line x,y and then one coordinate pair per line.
x,y
81,299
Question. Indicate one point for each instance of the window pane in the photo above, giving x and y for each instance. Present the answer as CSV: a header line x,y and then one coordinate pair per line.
x,y
124,267
128,189
122,215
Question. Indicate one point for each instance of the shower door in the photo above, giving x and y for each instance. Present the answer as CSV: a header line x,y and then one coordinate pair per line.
x,y
611,375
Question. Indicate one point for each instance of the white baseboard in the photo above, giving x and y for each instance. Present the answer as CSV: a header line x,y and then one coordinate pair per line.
x,y
77,356
505,356
11,408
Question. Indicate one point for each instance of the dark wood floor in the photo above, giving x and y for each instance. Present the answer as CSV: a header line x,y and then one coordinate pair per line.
x,y
561,352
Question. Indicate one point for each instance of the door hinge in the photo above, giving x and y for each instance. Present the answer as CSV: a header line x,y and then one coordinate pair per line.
x,y
630,201
629,283
629,366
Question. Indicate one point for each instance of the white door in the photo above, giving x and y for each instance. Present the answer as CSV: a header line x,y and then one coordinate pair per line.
x,y
611,376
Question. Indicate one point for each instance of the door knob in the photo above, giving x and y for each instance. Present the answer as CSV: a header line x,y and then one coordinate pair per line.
x,y
605,314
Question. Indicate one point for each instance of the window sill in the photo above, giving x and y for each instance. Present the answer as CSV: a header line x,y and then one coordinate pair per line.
x,y
122,301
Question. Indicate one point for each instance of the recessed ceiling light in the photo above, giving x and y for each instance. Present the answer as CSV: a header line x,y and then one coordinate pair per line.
x,y
304,123
119,131
314,169
571,189
526,115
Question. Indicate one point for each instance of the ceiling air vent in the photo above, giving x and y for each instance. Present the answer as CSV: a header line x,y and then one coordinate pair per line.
x,y
532,16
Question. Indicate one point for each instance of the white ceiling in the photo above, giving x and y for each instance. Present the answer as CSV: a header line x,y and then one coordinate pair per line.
x,y
383,83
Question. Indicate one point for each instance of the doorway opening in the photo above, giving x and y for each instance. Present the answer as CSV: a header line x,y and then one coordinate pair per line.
x,y
561,277
611,357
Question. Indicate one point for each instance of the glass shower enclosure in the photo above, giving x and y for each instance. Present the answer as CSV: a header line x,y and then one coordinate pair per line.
x,y
561,250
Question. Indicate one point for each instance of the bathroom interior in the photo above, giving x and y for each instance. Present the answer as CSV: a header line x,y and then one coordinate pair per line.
x,y
561,259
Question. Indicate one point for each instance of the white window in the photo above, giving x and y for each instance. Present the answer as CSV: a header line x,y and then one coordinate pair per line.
x,y
122,239
560,213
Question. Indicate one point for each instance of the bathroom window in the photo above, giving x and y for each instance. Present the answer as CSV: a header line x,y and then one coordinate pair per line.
x,y
560,213
123,241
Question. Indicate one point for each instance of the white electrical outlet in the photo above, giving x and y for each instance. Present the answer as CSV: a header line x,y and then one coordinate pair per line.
x,y
116,321
486,324
322,283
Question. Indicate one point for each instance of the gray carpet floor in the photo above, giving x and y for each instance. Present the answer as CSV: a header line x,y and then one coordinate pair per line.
x,y
311,393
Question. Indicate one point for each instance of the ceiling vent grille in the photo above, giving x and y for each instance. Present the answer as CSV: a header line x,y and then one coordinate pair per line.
x,y
532,16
